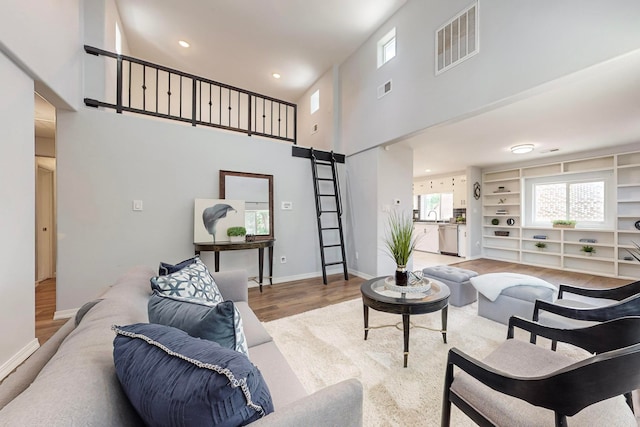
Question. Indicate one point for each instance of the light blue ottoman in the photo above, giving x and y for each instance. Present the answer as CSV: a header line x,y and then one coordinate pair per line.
x,y
457,279
502,295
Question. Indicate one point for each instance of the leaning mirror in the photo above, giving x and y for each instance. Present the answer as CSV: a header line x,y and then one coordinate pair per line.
x,y
257,192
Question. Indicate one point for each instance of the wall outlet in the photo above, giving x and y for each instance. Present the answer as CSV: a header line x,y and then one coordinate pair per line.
x,y
137,205
287,206
283,259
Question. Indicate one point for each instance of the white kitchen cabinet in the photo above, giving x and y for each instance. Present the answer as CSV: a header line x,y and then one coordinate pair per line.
x,y
459,192
427,234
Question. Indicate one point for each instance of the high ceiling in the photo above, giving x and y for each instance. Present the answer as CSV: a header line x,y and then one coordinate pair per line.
x,y
243,42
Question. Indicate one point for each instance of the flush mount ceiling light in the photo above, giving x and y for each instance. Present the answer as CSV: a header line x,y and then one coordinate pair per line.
x,y
276,75
522,148
183,43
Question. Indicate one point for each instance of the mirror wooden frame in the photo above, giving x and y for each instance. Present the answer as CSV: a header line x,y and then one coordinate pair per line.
x,y
224,174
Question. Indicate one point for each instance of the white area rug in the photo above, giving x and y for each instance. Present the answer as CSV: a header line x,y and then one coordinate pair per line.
x,y
326,345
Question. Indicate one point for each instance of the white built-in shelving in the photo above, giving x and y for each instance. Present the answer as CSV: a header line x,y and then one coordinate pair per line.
x,y
502,191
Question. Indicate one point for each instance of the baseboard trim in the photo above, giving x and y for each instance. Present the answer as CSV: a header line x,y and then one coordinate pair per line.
x,y
17,359
361,274
65,314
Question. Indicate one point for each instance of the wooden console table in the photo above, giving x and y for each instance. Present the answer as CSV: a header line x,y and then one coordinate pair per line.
x,y
228,246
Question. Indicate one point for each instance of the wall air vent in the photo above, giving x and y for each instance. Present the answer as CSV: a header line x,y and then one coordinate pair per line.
x,y
384,89
457,39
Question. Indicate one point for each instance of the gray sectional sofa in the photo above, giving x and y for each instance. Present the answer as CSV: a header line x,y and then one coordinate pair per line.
x,y
71,379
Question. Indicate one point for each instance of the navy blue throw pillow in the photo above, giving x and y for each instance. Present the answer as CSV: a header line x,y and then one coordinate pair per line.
x,y
198,320
173,379
166,268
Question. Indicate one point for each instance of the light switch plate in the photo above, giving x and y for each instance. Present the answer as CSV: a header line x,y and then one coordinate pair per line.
x,y
287,206
137,205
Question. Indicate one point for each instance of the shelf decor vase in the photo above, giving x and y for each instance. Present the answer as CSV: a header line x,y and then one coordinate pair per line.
x,y
402,275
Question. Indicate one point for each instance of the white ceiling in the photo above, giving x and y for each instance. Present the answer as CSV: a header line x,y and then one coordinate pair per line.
x,y
243,42
595,108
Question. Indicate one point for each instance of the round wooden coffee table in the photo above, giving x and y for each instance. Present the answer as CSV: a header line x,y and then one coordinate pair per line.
x,y
376,295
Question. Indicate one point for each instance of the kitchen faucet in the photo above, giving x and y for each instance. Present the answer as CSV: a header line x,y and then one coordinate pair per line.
x,y
435,213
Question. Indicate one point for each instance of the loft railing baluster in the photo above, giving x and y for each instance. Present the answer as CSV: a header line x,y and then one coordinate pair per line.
x,y
119,85
129,105
271,129
249,115
295,126
144,88
286,121
220,103
193,102
169,95
279,119
229,107
210,104
264,117
239,111
157,87
200,101
180,98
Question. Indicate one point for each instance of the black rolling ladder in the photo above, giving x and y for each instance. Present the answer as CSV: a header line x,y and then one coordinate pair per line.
x,y
328,206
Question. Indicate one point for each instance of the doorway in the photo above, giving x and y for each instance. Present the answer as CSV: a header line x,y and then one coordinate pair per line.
x,y
45,203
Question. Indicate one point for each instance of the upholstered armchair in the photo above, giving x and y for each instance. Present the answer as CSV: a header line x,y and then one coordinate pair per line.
x,y
527,385
601,305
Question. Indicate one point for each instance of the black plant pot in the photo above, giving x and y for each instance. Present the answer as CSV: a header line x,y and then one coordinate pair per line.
x,y
402,276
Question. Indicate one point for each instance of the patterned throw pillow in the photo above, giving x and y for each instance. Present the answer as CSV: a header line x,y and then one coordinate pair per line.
x,y
215,322
174,379
193,281
165,268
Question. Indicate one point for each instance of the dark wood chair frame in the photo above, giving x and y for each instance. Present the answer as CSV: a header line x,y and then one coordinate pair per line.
x,y
614,371
628,297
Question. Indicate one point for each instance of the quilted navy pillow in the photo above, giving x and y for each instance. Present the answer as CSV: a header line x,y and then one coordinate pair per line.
x,y
192,281
173,379
220,322
166,268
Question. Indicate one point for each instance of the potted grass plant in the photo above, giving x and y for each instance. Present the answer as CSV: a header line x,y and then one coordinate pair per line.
x,y
400,242
564,223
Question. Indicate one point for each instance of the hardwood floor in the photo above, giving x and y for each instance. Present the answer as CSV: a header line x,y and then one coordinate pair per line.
x,y
45,309
286,299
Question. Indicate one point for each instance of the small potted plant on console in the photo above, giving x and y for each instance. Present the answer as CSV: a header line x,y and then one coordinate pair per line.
x,y
400,242
236,234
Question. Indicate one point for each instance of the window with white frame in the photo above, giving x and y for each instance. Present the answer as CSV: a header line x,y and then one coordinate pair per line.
x,y
387,48
315,101
587,198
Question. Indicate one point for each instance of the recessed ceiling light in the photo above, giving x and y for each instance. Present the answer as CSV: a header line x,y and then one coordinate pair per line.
x,y
522,148
183,43
427,170
276,75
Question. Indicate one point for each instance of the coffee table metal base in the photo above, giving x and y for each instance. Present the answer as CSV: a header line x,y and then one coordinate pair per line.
x,y
407,325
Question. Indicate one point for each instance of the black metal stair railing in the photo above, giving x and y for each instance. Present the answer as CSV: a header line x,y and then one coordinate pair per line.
x,y
154,90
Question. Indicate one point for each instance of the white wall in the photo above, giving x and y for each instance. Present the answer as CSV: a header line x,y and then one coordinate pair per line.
x,y
375,178
17,218
394,182
106,160
324,117
45,39
522,45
